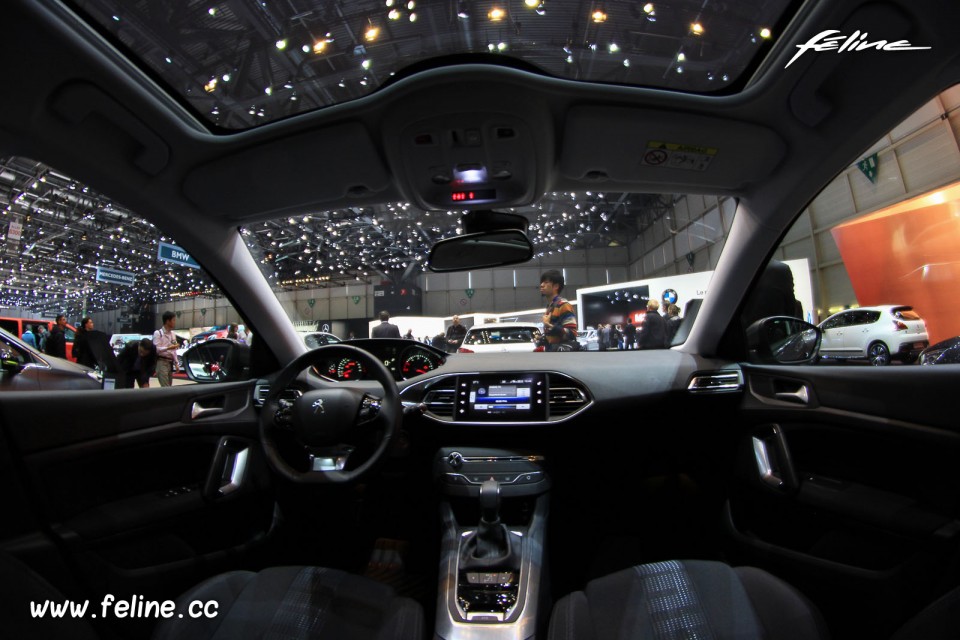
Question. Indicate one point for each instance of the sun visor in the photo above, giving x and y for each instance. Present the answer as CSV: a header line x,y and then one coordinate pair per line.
x,y
308,170
622,145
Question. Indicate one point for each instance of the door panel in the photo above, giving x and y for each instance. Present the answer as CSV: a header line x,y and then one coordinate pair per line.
x,y
854,495
145,487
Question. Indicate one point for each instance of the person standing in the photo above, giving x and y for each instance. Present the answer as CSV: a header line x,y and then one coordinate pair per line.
x,y
233,332
385,329
673,323
57,340
455,335
165,341
653,329
559,320
29,337
138,361
629,335
82,352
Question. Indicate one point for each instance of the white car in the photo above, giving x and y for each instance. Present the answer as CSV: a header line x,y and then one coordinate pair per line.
x,y
878,334
589,340
507,337
315,339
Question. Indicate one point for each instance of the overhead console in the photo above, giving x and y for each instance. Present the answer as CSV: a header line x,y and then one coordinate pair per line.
x,y
469,161
501,398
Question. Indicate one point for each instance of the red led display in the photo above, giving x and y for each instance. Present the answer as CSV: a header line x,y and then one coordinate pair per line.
x,y
469,196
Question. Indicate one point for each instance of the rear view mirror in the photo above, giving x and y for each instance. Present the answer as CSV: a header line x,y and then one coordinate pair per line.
x,y
480,250
218,360
782,340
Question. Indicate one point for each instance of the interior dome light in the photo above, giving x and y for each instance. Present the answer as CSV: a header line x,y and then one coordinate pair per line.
x,y
496,14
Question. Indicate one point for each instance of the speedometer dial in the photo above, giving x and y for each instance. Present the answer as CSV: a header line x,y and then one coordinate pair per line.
x,y
349,369
415,364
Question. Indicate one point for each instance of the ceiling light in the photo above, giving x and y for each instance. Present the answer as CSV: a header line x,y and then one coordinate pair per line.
x,y
212,11
390,3
679,69
413,17
411,5
502,46
613,47
531,3
599,16
569,59
496,14
226,77
626,62
168,60
648,8
366,64
765,33
541,9
681,57
319,46
393,14
371,33
211,86
281,44
696,29
268,91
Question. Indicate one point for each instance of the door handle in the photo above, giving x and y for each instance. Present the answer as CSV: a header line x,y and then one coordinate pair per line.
x,y
229,468
197,410
801,395
772,458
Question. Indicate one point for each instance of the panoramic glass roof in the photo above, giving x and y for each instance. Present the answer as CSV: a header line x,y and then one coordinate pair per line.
x,y
243,63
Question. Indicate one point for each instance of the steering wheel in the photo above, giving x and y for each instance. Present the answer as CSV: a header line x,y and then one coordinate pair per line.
x,y
322,419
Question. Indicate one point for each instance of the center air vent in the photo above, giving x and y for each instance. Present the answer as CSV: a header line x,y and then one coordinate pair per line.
x,y
567,396
440,399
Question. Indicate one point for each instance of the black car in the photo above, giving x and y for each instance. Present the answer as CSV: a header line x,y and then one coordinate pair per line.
x,y
944,352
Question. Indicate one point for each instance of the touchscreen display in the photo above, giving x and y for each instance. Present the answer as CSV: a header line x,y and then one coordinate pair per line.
x,y
508,397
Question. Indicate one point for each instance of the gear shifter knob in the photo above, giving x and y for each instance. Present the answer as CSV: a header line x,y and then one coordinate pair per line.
x,y
490,501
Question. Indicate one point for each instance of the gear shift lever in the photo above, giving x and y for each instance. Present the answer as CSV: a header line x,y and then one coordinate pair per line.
x,y
490,541
490,502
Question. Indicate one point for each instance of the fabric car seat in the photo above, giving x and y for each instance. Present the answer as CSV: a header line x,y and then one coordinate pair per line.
x,y
284,602
687,599
295,603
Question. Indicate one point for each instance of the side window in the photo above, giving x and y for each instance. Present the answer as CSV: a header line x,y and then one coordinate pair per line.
x,y
884,245
131,274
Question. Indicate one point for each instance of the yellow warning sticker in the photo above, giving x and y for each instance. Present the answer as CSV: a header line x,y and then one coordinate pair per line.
x,y
678,156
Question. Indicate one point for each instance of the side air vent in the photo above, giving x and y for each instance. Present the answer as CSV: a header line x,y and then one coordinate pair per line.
x,y
567,397
260,393
440,399
262,390
716,382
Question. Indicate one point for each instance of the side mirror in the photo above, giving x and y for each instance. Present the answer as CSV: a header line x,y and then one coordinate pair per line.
x,y
480,250
783,340
217,360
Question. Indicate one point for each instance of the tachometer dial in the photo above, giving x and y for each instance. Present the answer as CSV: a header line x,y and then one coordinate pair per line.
x,y
415,364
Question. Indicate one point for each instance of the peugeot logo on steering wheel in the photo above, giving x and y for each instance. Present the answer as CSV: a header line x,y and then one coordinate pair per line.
x,y
318,405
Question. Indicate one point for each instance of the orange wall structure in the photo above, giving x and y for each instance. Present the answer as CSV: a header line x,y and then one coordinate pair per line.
x,y
909,254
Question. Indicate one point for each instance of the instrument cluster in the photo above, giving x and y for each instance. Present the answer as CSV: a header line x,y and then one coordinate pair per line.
x,y
403,358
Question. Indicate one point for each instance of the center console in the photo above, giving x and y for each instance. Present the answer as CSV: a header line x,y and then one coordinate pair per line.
x,y
494,522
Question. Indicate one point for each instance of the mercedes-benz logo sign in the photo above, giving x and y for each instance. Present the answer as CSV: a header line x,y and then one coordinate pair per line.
x,y
318,405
